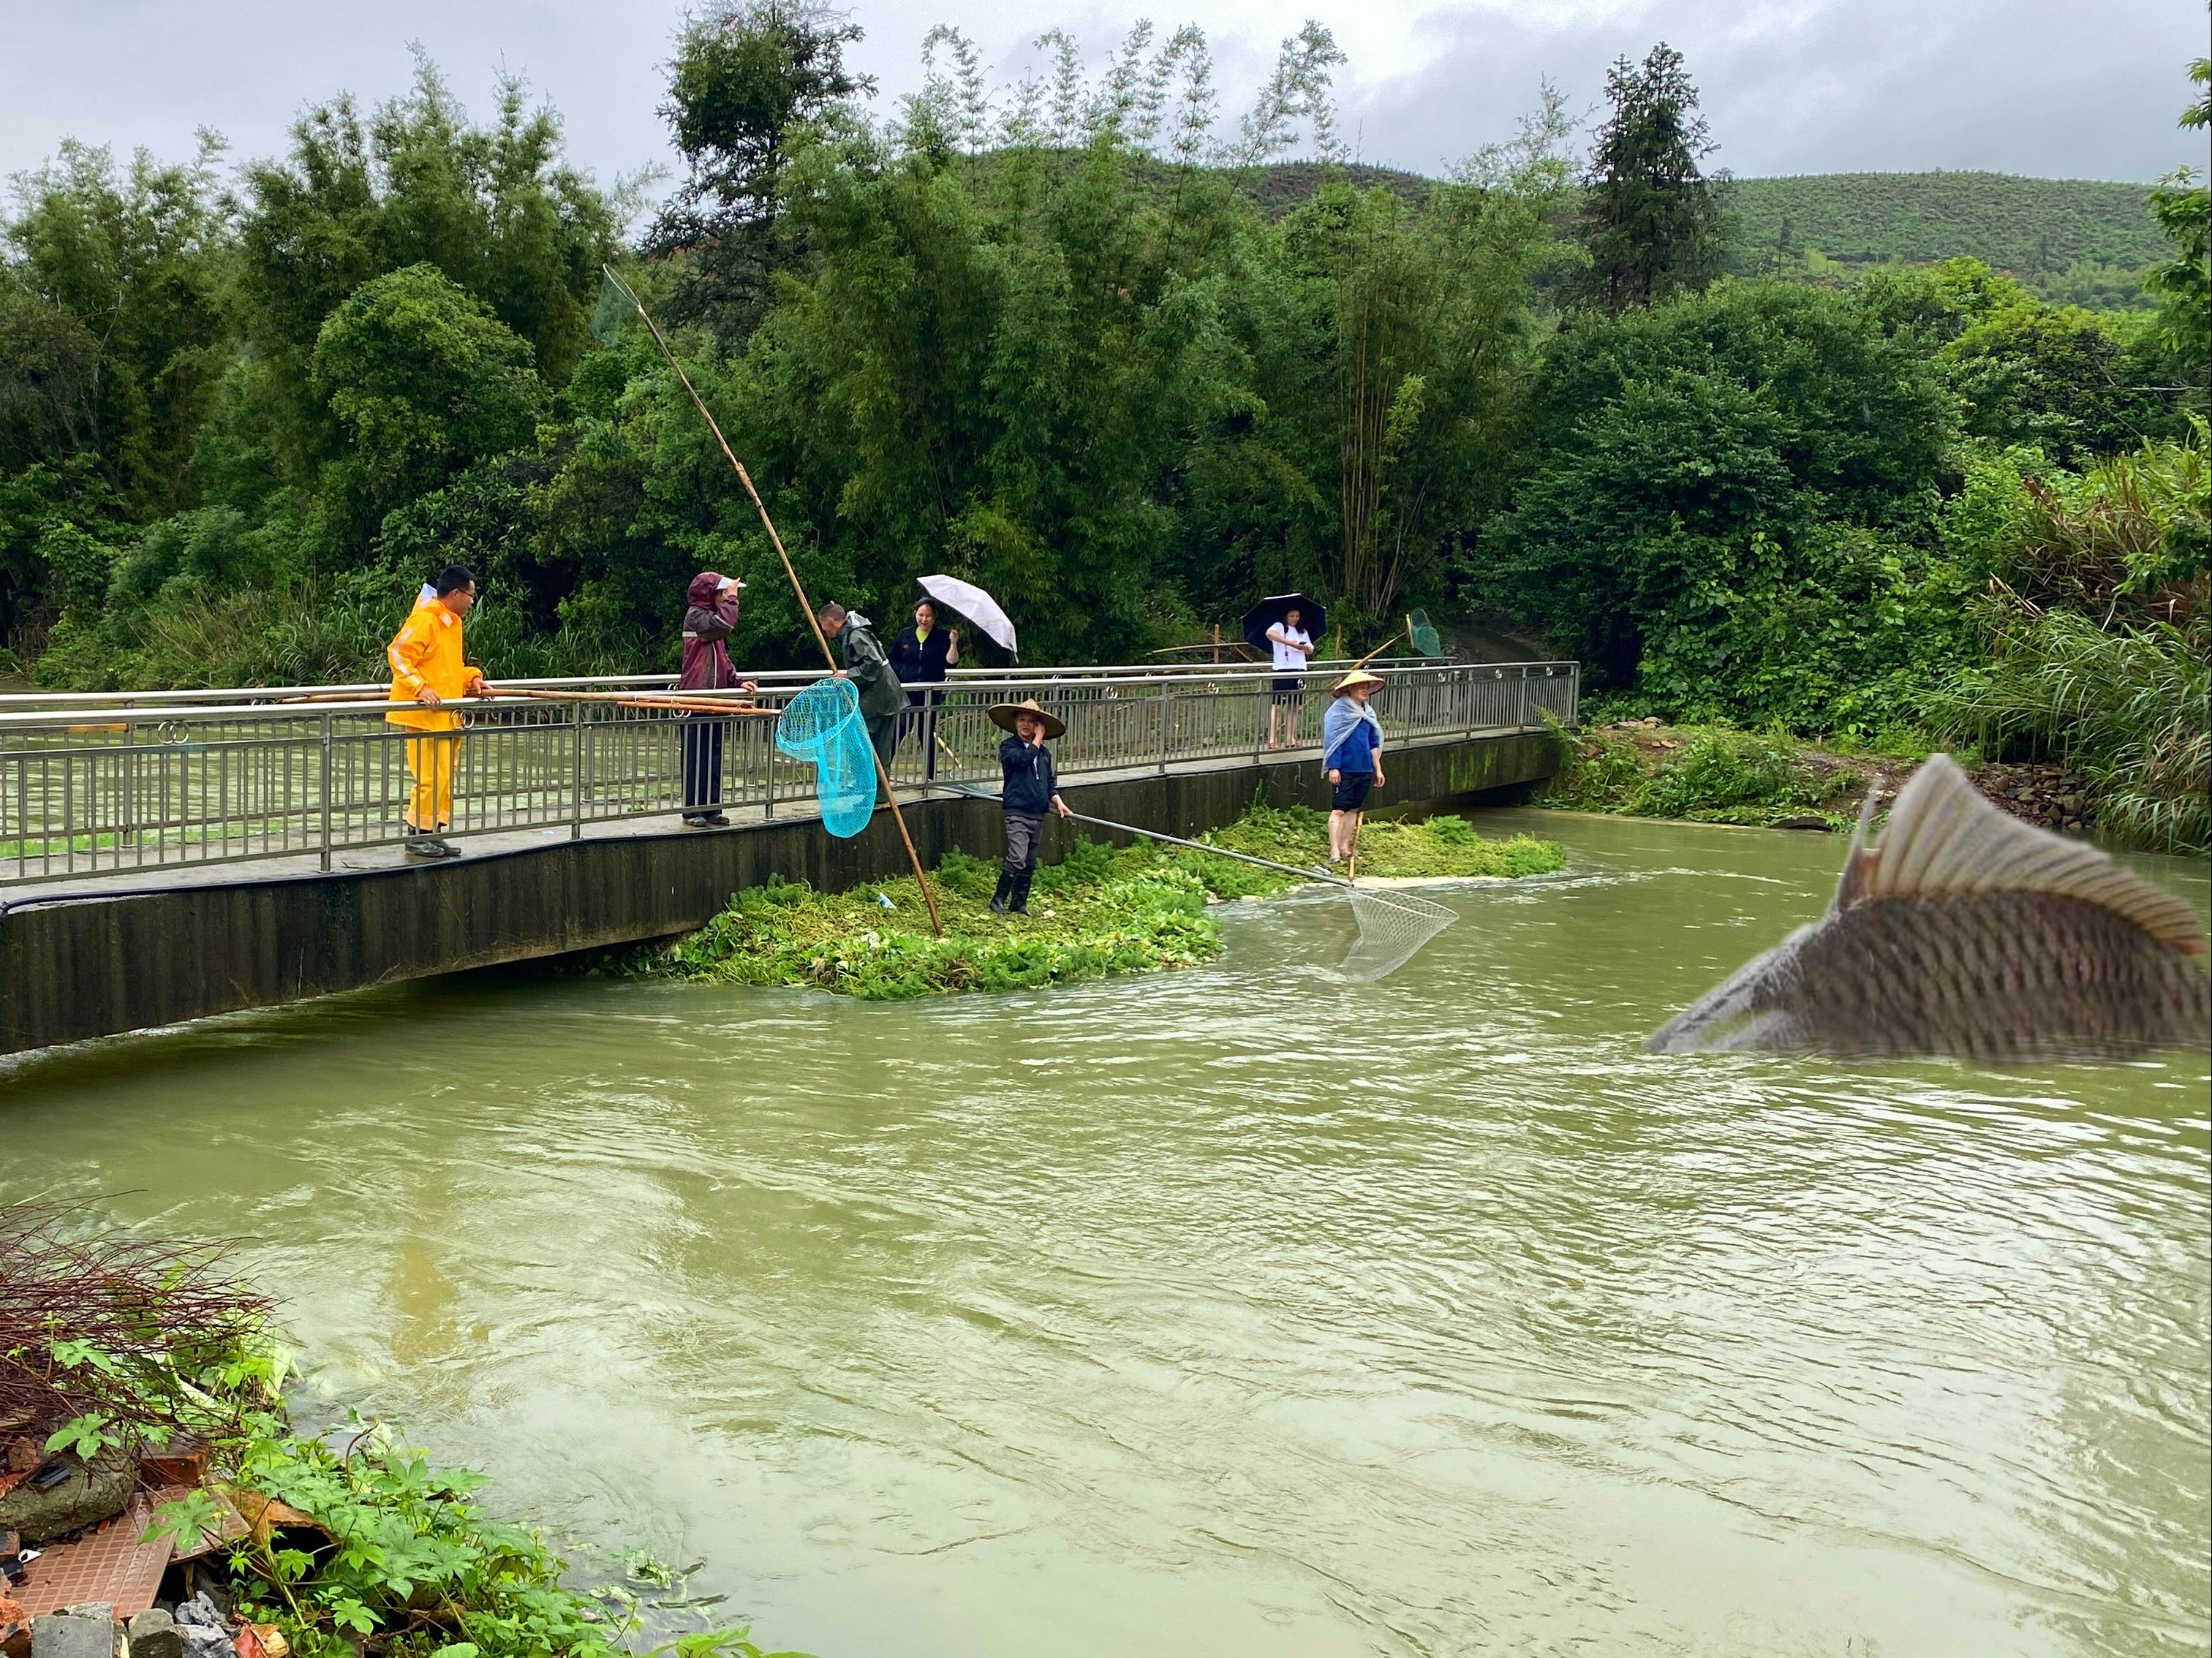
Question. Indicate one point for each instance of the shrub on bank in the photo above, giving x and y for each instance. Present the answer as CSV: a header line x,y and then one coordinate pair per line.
x,y
1712,775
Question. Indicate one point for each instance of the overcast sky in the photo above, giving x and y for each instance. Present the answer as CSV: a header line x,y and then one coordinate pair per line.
x,y
2079,88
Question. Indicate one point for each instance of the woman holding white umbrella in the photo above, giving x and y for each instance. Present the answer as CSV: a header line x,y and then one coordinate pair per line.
x,y
950,594
920,656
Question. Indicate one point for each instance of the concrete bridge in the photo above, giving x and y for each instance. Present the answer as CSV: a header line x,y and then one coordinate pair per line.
x,y
165,856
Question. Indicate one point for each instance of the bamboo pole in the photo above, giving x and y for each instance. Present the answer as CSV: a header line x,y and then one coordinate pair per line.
x,y
618,699
1373,654
647,700
806,606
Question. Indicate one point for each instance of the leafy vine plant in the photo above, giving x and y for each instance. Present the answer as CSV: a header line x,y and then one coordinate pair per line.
x,y
1152,95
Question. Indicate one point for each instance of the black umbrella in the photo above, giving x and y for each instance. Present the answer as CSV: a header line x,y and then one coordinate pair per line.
x,y
1313,617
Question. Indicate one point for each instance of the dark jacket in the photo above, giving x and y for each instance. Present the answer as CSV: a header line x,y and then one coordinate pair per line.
x,y
919,661
869,669
1030,781
707,624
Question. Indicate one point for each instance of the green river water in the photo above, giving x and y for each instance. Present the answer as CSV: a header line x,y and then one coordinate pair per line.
x,y
1242,1311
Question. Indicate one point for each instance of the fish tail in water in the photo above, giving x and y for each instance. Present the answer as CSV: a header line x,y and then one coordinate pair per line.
x,y
1969,933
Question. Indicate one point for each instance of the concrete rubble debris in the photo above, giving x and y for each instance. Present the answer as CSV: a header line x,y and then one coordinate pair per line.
x,y
182,1461
41,1509
81,1632
203,1628
153,1634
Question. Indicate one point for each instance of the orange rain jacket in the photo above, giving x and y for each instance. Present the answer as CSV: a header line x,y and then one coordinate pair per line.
x,y
427,651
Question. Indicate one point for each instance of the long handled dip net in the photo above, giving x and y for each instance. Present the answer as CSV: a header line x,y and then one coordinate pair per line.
x,y
1393,927
822,727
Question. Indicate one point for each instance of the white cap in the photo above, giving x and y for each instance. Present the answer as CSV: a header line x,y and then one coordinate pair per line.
x,y
732,581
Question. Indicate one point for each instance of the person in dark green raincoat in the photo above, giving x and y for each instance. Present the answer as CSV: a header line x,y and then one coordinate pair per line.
x,y
883,698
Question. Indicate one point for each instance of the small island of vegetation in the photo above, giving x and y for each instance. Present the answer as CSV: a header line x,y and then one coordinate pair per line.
x,y
1099,911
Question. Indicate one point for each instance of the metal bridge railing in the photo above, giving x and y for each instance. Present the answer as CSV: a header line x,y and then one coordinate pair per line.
x,y
125,782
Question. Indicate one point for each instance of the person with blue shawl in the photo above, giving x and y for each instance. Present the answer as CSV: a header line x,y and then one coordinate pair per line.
x,y
1352,749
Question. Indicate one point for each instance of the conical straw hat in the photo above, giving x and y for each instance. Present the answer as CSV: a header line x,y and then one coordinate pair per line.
x,y
1002,716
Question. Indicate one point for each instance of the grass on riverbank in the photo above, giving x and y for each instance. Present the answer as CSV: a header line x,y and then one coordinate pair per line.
x,y
1711,774
1714,774
1102,910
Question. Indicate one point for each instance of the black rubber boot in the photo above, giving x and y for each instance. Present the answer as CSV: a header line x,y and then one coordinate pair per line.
x,y
1020,905
1006,887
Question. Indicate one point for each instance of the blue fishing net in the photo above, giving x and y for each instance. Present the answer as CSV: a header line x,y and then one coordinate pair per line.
x,y
822,727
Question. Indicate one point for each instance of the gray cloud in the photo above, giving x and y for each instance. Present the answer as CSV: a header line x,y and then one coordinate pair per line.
x,y
2080,88
2068,88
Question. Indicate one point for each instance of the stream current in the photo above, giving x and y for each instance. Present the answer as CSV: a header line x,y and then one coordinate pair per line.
x,y
1241,1311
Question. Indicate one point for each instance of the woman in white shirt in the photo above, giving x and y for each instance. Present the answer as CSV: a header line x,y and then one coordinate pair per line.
x,y
1293,646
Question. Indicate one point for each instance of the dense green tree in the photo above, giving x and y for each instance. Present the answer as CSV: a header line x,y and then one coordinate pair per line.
x,y
420,379
749,76
996,383
110,331
493,208
2183,286
1651,219
1727,504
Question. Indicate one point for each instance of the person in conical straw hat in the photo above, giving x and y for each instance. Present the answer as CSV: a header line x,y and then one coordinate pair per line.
x,y
1352,750
1029,788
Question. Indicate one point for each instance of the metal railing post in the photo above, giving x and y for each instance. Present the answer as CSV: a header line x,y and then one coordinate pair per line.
x,y
326,793
123,824
1167,702
576,772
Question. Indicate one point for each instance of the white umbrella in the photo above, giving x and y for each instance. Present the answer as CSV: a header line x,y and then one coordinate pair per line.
x,y
972,602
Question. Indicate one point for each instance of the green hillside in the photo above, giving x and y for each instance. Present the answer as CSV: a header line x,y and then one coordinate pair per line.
x,y
2078,241
2029,226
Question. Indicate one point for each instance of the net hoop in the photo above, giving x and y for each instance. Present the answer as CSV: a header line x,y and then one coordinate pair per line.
x,y
822,727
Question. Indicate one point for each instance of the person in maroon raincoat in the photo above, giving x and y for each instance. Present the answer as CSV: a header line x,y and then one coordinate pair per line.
x,y
709,620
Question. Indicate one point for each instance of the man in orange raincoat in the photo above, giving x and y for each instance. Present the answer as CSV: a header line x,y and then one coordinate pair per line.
x,y
427,669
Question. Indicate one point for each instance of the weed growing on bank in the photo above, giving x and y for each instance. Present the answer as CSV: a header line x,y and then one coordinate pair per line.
x,y
1712,775
1100,910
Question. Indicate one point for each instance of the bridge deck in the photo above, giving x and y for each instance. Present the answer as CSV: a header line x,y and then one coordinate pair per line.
x,y
95,956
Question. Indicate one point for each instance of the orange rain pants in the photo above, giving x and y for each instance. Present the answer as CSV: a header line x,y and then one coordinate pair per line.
x,y
430,763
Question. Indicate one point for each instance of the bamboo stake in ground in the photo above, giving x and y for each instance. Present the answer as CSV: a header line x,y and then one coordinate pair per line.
x,y
806,606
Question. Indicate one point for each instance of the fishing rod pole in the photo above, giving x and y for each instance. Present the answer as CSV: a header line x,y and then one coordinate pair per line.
x,y
1176,841
805,607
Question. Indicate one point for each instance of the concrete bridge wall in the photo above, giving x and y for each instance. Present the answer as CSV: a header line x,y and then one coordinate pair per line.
x,y
99,965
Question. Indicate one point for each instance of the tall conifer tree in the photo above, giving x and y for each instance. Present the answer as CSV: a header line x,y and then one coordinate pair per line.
x,y
1651,220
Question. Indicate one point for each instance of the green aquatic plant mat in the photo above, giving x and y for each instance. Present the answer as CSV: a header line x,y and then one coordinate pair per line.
x,y
1099,911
